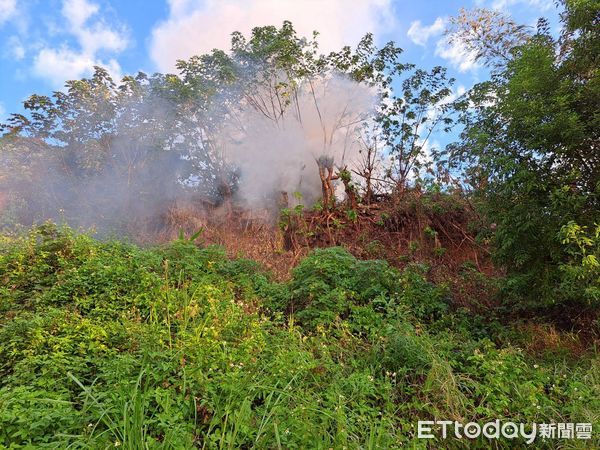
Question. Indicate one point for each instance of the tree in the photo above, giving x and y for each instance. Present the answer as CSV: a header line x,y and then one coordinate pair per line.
x,y
533,136
106,153
284,80
126,148
490,34
408,121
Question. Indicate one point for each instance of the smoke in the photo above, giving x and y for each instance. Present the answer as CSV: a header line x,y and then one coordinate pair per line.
x,y
123,164
278,152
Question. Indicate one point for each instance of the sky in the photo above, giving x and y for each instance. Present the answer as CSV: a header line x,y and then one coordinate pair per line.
x,y
43,43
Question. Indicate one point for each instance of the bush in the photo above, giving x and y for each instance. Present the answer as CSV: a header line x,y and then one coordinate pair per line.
x,y
328,282
189,352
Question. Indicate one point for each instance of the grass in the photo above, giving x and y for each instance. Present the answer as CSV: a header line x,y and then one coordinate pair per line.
x,y
105,344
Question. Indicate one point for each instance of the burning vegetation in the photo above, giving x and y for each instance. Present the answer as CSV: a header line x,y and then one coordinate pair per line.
x,y
237,135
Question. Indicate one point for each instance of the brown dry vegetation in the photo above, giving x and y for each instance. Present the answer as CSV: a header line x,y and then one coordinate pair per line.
x,y
436,229
540,339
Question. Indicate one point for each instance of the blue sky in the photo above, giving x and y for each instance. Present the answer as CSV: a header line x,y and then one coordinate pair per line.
x,y
45,42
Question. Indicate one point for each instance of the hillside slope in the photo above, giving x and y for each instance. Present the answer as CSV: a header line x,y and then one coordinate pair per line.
x,y
105,344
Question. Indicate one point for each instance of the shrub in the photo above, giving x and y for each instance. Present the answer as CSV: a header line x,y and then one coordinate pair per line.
x,y
328,282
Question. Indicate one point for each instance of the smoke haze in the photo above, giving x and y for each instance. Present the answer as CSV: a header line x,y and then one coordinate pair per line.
x,y
150,159
280,155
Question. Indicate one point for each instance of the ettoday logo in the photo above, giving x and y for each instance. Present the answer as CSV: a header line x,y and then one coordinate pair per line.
x,y
508,430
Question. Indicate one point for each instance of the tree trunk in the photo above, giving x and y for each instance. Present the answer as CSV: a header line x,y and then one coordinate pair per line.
x,y
369,188
325,164
346,178
326,186
226,194
351,195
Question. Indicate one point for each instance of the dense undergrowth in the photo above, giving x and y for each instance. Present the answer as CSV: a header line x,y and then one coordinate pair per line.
x,y
107,344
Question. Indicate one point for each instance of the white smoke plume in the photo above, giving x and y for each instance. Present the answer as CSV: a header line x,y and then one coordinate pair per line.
x,y
124,180
280,154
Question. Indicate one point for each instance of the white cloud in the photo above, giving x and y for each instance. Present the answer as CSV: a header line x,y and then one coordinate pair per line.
x,y
456,54
96,36
77,12
198,26
420,34
429,146
540,5
454,94
460,90
2,113
93,35
15,48
59,65
8,9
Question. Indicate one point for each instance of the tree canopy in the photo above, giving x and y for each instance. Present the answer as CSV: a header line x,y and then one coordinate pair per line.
x,y
531,145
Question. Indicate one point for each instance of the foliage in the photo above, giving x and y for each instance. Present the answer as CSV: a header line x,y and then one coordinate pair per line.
x,y
581,278
106,344
408,120
530,147
490,35
194,349
117,153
